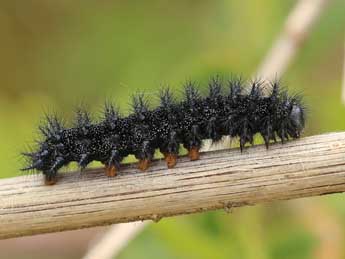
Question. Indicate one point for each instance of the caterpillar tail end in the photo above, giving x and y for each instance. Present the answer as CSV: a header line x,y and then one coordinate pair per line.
x,y
193,153
111,171
170,159
144,164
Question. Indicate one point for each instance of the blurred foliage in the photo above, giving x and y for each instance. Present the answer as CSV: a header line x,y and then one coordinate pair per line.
x,y
58,54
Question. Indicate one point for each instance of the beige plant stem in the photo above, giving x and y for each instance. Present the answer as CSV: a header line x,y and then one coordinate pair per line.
x,y
296,29
343,86
114,240
220,179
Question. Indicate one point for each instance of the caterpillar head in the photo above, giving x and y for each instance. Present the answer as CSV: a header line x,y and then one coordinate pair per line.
x,y
297,119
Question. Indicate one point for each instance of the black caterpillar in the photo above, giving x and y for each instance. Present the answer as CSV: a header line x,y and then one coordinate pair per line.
x,y
234,112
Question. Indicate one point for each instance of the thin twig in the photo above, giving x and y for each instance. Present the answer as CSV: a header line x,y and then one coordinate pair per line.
x,y
297,28
324,224
343,86
220,179
115,240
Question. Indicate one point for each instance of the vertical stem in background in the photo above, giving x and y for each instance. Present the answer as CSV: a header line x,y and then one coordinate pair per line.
x,y
296,30
343,86
324,224
114,240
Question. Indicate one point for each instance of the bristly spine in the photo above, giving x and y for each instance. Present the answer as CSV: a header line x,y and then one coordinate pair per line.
x,y
239,111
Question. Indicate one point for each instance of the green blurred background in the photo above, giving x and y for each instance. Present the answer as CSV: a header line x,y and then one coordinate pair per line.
x,y
58,54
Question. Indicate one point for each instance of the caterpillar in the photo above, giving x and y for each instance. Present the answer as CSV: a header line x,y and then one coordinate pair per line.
x,y
237,110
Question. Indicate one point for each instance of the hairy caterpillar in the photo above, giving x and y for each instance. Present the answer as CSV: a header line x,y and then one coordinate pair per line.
x,y
232,112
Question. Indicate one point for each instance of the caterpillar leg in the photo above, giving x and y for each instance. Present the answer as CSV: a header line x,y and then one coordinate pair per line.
x,y
144,164
193,153
170,159
193,143
112,165
111,171
145,155
268,134
50,175
170,149
50,178
84,161
246,135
